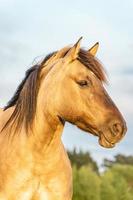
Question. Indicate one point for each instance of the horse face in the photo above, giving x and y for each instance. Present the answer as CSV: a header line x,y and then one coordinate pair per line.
x,y
86,104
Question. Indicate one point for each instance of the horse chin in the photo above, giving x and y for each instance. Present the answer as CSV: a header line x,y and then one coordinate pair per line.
x,y
104,142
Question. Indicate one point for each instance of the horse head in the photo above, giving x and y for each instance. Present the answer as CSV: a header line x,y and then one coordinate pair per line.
x,y
75,93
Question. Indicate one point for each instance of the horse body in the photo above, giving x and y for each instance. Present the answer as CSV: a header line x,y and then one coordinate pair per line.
x,y
34,169
67,86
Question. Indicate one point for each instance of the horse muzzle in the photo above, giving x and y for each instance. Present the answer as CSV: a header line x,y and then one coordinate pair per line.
x,y
112,134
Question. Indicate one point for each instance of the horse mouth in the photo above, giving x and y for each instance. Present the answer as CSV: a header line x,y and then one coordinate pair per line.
x,y
104,142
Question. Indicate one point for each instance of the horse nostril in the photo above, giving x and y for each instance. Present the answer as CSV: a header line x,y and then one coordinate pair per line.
x,y
116,129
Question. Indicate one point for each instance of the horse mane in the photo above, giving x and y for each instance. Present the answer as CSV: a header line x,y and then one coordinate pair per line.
x,y
25,97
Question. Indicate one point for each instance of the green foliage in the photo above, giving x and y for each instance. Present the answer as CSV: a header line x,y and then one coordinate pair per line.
x,y
114,187
81,158
86,184
124,171
124,174
107,189
119,159
116,183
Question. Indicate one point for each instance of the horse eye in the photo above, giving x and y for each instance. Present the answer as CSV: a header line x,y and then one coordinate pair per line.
x,y
83,83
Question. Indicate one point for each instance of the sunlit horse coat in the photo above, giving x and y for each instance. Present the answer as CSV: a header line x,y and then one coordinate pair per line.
x,y
66,86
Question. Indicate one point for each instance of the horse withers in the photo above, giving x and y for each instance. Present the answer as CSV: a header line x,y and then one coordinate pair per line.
x,y
68,85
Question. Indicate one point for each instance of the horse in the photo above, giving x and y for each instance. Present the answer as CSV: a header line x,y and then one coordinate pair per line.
x,y
66,86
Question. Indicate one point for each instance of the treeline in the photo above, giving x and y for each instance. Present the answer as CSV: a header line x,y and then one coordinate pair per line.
x,y
115,183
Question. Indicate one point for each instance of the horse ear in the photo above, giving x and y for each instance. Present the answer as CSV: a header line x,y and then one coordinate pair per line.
x,y
93,50
73,52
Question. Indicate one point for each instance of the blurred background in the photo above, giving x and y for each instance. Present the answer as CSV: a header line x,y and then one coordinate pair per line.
x,y
30,29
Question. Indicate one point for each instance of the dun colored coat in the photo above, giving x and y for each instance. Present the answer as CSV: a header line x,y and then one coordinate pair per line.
x,y
66,86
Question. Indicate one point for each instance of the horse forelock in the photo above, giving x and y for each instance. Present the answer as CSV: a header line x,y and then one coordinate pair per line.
x,y
93,64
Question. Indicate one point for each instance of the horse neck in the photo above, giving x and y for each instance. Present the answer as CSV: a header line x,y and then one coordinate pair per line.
x,y
46,136
47,129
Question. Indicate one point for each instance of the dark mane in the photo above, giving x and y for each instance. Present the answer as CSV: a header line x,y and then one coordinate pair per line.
x,y
25,97
30,73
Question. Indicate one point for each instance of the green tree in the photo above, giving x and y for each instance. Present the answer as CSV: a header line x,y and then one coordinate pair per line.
x,y
125,174
119,159
81,158
86,184
107,189
117,183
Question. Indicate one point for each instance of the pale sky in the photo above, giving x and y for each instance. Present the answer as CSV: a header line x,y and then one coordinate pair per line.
x,y
32,28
